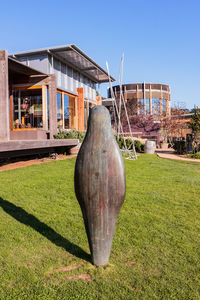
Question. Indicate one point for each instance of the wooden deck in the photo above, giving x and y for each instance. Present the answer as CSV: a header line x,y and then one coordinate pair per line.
x,y
26,147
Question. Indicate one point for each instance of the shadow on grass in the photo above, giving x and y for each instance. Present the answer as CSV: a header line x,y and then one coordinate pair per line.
x,y
23,217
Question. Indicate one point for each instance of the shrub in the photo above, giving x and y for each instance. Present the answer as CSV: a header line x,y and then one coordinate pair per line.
x,y
139,147
120,142
129,143
179,147
195,155
142,147
72,134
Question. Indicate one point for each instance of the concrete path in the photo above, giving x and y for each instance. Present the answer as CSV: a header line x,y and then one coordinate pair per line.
x,y
170,154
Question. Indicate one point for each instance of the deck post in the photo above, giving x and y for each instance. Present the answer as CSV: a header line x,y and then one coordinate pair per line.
x,y
80,109
52,106
4,97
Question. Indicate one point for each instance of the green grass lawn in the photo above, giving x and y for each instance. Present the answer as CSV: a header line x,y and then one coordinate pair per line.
x,y
44,251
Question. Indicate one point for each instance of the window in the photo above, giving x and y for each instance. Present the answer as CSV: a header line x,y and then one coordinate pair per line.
x,y
147,106
66,111
141,106
155,106
72,112
27,109
59,111
164,106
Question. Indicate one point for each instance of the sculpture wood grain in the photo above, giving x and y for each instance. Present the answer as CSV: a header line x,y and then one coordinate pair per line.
x,y
100,183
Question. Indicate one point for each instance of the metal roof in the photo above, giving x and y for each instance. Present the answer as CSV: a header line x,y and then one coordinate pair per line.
x,y
16,66
75,57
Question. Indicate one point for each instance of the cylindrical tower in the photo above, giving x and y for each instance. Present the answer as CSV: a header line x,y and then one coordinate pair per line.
x,y
145,98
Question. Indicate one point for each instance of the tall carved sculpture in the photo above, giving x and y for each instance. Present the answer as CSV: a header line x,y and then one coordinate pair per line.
x,y
100,183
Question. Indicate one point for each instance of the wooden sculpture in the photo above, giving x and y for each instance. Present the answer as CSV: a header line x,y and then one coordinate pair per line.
x,y
100,183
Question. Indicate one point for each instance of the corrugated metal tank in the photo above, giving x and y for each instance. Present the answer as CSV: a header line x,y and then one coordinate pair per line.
x,y
150,147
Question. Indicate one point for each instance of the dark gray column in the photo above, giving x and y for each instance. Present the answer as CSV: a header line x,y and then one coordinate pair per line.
x,y
4,97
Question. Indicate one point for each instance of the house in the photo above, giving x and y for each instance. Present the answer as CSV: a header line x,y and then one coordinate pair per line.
x,y
44,90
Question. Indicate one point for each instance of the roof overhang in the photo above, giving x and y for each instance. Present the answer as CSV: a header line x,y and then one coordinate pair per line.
x,y
18,67
75,57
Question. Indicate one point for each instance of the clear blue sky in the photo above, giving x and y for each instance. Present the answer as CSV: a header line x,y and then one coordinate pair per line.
x,y
160,39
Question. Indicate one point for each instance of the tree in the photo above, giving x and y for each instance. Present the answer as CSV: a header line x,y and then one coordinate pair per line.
x,y
178,107
195,122
171,126
195,126
145,123
131,107
174,124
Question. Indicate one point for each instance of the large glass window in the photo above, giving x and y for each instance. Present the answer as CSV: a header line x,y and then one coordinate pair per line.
x,y
27,109
66,111
72,113
147,106
155,106
164,106
59,111
141,106
66,115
